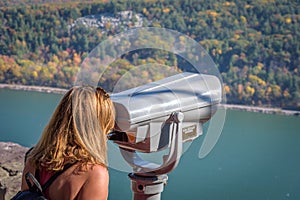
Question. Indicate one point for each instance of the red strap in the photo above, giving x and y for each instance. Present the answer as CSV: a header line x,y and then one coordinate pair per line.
x,y
45,176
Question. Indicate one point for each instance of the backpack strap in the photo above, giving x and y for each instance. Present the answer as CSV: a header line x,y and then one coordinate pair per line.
x,y
52,178
36,186
27,153
36,177
33,180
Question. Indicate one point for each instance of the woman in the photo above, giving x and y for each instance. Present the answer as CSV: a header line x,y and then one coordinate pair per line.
x,y
76,134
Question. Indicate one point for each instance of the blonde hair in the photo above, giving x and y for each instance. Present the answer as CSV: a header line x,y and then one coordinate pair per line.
x,y
76,131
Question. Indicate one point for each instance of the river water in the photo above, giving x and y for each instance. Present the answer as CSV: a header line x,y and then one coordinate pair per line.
x,y
257,155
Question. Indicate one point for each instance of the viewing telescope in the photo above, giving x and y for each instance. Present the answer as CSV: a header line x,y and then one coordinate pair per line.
x,y
143,113
162,115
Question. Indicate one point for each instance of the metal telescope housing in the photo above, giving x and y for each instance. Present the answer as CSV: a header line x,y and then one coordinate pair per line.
x,y
144,114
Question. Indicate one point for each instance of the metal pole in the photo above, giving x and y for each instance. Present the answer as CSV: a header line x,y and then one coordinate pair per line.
x,y
147,187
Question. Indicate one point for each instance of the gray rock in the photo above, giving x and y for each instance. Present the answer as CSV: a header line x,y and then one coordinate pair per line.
x,y
11,167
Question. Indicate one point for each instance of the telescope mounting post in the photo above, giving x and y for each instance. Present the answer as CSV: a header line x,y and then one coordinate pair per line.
x,y
147,187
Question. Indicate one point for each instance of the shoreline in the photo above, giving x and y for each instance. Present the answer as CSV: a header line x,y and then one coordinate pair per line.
x,y
266,110
33,88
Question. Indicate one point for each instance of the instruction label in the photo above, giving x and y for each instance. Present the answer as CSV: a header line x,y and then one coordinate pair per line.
x,y
189,132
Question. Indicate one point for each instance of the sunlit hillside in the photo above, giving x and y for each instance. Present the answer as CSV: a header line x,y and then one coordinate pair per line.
x,y
255,44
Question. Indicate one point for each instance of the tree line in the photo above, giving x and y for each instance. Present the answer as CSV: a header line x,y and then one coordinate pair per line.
x,y
255,44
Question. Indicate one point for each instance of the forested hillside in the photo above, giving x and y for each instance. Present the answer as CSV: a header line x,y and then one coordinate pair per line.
x,y
255,44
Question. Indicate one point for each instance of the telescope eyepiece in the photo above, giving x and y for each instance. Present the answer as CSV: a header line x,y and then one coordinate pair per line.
x,y
117,136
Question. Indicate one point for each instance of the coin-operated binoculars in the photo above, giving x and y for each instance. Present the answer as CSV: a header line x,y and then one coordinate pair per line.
x,y
161,116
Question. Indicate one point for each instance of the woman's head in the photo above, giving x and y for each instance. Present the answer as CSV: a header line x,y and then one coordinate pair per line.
x,y
77,130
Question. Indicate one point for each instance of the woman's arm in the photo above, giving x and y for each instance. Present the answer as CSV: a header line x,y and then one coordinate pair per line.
x,y
27,168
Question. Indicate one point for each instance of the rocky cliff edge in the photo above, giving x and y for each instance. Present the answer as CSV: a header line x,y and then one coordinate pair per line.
x,y
11,166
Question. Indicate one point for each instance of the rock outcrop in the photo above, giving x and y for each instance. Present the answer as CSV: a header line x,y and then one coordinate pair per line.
x,y
11,166
108,21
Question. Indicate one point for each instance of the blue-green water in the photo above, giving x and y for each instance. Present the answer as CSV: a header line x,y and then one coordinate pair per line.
x,y
257,156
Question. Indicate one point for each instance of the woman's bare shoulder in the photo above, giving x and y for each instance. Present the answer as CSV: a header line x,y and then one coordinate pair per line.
x,y
96,184
98,170
81,183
